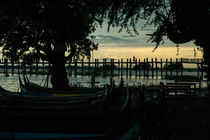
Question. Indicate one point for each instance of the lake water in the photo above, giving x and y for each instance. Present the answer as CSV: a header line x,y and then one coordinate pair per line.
x,y
12,83
116,52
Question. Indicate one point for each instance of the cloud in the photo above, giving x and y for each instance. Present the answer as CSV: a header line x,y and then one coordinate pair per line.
x,y
123,39
112,38
128,36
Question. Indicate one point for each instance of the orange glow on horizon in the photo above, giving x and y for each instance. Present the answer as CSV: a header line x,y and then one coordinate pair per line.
x,y
146,52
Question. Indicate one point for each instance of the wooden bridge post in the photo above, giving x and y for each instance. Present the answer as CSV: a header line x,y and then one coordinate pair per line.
x,y
136,67
166,66
130,68
177,69
98,63
147,67
152,67
112,67
118,67
105,62
75,67
161,67
202,68
198,69
156,67
182,67
95,63
127,68
82,73
6,67
144,67
112,63
82,64
89,63
139,67
104,68
121,67
130,63
171,63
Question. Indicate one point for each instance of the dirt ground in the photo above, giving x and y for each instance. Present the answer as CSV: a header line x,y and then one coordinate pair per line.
x,y
186,118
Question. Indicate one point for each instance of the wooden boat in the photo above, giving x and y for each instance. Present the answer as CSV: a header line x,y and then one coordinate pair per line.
x,y
51,100
30,87
96,119
71,100
115,119
14,99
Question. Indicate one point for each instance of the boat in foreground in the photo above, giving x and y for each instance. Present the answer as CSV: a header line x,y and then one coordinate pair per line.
x,y
112,119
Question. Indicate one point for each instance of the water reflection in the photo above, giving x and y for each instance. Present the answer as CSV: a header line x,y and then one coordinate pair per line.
x,y
11,83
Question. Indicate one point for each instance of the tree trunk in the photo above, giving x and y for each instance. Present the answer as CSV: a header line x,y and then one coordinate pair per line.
x,y
58,72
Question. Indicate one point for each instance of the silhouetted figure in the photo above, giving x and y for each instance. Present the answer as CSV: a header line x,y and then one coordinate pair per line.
x,y
92,77
161,93
121,83
161,86
111,82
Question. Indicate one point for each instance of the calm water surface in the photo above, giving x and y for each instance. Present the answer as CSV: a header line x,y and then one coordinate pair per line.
x,y
12,83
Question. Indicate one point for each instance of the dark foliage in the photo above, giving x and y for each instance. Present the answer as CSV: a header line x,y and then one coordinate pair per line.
x,y
48,29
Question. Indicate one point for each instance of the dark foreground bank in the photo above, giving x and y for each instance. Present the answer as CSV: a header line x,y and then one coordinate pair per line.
x,y
185,119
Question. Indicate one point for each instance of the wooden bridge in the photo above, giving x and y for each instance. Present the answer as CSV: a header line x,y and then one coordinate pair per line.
x,y
145,67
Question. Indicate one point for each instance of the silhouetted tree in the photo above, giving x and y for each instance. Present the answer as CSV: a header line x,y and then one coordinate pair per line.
x,y
179,21
52,30
48,29
188,21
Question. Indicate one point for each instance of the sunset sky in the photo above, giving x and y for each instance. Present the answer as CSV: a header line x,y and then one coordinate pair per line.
x,y
122,45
